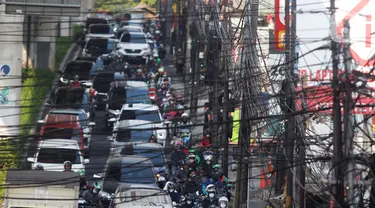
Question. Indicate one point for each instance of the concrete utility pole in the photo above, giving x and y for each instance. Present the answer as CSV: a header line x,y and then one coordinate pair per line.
x,y
348,117
290,135
338,187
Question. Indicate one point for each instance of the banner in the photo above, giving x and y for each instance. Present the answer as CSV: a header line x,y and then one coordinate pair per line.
x,y
279,25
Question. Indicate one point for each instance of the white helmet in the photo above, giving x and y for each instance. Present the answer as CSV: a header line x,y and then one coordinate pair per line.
x,y
223,202
161,70
185,115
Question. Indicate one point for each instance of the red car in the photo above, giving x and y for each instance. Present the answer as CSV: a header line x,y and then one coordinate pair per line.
x,y
61,126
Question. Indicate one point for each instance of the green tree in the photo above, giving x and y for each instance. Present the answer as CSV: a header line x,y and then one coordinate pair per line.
x,y
119,5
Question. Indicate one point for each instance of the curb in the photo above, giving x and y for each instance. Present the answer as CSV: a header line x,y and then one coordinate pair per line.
x,y
23,163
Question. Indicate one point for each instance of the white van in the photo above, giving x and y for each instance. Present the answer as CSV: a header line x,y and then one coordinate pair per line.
x,y
141,196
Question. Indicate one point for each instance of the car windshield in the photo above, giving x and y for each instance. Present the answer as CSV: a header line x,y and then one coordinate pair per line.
x,y
130,173
100,29
118,95
152,116
133,38
68,98
127,135
156,156
97,44
81,116
59,156
80,69
57,133
139,95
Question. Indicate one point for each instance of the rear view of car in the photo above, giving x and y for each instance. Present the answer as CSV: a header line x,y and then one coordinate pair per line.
x,y
140,196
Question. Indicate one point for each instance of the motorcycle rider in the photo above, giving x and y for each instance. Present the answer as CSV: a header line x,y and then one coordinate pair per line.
x,y
184,125
206,140
82,180
171,189
75,82
91,195
192,163
68,166
179,61
177,156
223,202
211,199
218,176
165,80
192,185
159,74
139,76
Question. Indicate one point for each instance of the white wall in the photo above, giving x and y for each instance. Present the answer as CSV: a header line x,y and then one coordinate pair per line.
x,y
10,54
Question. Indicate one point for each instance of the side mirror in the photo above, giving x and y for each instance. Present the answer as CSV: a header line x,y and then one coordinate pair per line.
x,y
30,159
40,121
98,176
86,161
110,138
92,124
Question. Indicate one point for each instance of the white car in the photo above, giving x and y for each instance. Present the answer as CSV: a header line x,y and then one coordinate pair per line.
x,y
99,31
52,154
132,28
134,46
145,112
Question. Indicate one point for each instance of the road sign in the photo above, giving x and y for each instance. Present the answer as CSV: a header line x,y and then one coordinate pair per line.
x,y
43,7
360,20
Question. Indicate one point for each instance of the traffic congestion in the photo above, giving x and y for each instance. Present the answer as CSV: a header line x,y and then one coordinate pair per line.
x,y
117,99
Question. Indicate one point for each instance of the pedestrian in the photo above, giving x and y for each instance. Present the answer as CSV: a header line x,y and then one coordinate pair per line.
x,y
207,117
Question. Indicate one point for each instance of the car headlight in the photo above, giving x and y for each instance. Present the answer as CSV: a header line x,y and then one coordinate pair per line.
x,y
145,49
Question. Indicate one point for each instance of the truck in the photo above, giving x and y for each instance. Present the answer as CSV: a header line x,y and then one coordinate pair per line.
x,y
34,188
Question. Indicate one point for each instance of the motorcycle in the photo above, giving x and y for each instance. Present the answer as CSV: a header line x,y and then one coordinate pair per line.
x,y
82,203
162,177
162,51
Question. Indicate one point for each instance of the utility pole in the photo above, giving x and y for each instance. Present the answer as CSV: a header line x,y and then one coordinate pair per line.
x,y
338,187
178,34
348,117
227,51
289,140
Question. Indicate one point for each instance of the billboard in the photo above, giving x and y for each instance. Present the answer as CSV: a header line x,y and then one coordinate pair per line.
x,y
279,33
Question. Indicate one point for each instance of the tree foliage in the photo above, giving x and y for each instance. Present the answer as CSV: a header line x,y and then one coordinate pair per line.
x,y
120,5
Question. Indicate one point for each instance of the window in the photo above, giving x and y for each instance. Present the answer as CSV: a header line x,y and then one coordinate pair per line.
x,y
133,135
133,38
82,70
152,116
156,156
118,95
57,133
100,29
102,84
111,46
97,44
131,173
56,155
137,96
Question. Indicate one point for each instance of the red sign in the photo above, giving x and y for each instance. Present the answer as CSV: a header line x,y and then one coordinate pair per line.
x,y
279,26
357,9
320,97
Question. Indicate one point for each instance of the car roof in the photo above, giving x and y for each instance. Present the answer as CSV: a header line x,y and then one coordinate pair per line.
x,y
140,106
62,119
100,24
67,111
135,124
60,144
130,160
128,84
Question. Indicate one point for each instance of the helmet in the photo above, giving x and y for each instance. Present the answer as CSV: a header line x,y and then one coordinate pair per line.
x,y
161,70
223,202
171,187
185,115
216,166
211,188
180,107
171,99
76,77
139,70
158,61
177,145
97,186
67,163
39,167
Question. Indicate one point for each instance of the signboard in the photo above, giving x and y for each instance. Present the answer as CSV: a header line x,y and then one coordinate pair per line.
x,y
70,8
279,33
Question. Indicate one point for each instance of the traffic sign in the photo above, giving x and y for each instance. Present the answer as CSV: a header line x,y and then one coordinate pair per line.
x,y
360,19
4,70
